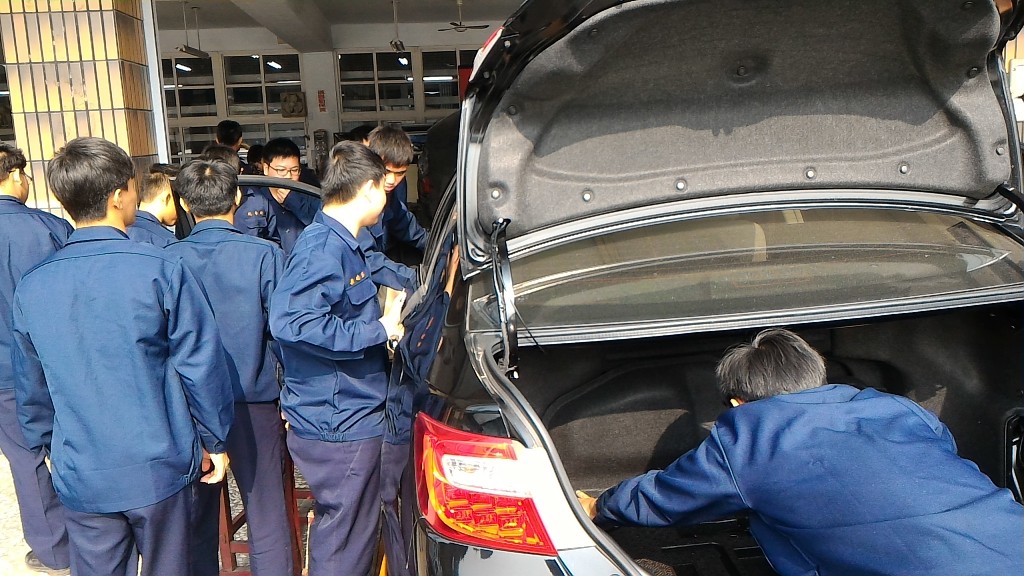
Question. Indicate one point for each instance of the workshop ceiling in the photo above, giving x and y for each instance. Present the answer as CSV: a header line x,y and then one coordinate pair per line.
x,y
238,13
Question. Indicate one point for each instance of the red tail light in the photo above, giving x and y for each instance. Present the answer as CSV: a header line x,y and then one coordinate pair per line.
x,y
470,490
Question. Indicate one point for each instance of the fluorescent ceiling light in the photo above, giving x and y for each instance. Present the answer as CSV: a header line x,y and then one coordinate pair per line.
x,y
403,61
5,93
274,65
256,56
182,67
289,82
437,78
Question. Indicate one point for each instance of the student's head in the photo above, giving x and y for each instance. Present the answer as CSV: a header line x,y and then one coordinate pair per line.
x,y
209,188
776,362
254,156
155,197
360,133
224,154
281,159
395,149
89,176
229,133
355,176
14,181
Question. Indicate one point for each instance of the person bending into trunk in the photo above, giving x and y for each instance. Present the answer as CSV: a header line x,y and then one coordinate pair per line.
x,y
835,480
327,319
239,273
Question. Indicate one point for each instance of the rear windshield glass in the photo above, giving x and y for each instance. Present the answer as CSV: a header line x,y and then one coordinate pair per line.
x,y
758,262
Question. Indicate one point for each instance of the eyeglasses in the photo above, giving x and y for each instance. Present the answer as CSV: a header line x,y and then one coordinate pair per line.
x,y
286,171
23,173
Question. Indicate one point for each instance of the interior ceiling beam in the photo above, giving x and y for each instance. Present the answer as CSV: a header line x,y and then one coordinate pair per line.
x,y
298,23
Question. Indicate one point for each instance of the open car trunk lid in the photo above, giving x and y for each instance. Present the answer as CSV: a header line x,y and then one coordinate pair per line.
x,y
584,108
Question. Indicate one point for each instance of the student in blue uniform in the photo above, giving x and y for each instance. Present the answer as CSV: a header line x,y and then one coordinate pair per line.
x,y
239,273
327,319
156,212
120,373
277,212
229,133
27,237
835,480
397,224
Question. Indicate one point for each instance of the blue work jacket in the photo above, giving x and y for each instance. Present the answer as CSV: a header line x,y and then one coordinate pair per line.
x,y
257,215
383,270
119,371
326,317
148,229
239,274
262,216
27,237
397,224
836,480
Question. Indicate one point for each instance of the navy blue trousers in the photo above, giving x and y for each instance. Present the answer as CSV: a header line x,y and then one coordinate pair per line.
x,y
256,449
344,478
398,500
103,544
42,514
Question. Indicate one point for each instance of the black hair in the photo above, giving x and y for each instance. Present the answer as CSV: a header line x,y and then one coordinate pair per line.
x,y
280,148
11,158
255,154
349,166
224,154
152,185
208,186
85,172
361,132
229,132
776,362
392,144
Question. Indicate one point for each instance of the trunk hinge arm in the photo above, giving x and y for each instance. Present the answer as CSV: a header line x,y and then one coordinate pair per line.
x,y
506,298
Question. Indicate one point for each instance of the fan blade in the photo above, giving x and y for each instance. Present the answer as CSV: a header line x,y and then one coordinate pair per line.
x,y
444,29
478,26
456,24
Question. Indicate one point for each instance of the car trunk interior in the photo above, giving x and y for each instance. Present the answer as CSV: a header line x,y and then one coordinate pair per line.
x,y
615,410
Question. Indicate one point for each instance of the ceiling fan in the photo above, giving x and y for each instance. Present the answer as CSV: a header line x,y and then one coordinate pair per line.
x,y
459,26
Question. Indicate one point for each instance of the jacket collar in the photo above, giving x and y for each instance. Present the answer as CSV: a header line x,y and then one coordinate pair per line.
x,y
142,214
338,229
213,224
92,233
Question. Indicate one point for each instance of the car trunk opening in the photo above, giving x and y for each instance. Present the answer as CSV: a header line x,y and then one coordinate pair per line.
x,y
618,409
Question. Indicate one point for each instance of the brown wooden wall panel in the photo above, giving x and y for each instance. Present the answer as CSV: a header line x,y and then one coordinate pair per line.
x,y
77,68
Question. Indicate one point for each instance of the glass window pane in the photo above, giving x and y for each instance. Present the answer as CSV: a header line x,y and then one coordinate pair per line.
x,y
466,57
197,102
198,138
172,103
6,117
281,68
439,63
441,95
274,96
355,66
194,71
294,131
396,96
174,137
167,66
242,70
254,134
245,100
394,66
762,262
358,98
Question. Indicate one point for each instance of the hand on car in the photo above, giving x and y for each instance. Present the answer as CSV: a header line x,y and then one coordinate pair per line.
x,y
589,504
219,463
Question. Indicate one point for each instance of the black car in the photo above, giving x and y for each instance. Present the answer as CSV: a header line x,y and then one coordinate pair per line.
x,y
644,184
